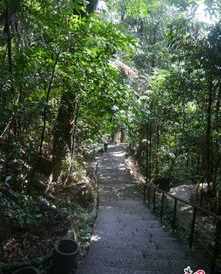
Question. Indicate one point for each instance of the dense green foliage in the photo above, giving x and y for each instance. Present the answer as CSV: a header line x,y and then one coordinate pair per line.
x,y
58,91
174,119
58,86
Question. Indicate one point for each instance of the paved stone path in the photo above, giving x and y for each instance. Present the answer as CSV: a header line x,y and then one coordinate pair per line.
x,y
128,239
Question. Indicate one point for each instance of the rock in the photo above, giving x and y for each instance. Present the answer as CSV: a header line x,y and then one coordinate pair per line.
x,y
183,192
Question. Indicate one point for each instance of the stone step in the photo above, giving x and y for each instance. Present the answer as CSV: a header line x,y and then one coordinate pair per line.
x,y
134,266
112,213
137,252
113,270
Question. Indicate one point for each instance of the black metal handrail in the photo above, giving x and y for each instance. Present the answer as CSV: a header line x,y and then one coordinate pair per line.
x,y
97,189
174,222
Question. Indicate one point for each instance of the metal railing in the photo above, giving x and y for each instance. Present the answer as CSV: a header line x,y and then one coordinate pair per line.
x,y
201,227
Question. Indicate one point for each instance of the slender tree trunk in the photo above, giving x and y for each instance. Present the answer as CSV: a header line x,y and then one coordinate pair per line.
x,y
209,159
157,149
122,10
147,153
150,150
46,102
198,163
7,31
217,111
217,154
73,137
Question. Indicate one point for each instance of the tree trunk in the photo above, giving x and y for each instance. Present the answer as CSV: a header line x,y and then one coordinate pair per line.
x,y
46,103
63,132
7,31
157,150
150,150
147,153
208,171
73,135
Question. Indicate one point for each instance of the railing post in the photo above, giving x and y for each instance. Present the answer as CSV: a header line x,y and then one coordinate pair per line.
x,y
192,229
149,190
97,189
216,246
174,214
145,192
154,199
162,207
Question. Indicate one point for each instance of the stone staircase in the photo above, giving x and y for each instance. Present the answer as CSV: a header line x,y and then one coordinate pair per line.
x,y
127,238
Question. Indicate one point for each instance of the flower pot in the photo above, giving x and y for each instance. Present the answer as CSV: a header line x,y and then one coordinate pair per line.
x,y
26,270
64,257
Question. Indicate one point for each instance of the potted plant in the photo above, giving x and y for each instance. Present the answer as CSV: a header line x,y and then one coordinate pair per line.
x,y
64,257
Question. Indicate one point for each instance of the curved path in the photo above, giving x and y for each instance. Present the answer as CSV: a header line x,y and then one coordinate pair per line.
x,y
128,239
